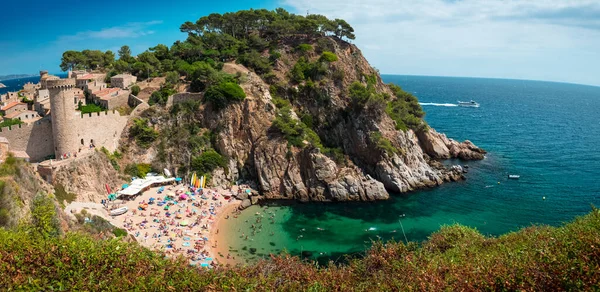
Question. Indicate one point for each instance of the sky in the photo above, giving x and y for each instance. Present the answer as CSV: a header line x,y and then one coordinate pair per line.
x,y
521,39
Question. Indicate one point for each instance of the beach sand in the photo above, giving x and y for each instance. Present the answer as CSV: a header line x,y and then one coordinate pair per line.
x,y
190,228
221,251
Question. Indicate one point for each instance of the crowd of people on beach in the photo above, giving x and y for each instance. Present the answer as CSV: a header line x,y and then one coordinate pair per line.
x,y
178,222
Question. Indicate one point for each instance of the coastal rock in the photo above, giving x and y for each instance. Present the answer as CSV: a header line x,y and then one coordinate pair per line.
x,y
86,177
245,204
438,146
348,164
255,199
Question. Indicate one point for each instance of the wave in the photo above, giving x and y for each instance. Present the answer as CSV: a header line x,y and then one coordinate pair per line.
x,y
437,104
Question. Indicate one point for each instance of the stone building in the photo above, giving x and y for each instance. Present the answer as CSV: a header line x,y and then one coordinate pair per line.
x,y
26,116
64,132
13,107
111,98
122,80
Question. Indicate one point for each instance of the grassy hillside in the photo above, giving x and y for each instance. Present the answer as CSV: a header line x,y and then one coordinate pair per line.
x,y
455,258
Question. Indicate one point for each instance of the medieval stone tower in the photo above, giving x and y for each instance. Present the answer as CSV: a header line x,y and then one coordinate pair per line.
x,y
63,115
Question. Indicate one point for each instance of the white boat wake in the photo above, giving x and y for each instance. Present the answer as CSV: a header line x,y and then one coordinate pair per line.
x,y
437,104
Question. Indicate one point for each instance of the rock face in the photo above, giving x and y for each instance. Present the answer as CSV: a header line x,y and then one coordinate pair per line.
x,y
438,146
86,178
258,152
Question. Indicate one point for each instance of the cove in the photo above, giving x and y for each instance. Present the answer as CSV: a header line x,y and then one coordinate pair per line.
x,y
546,132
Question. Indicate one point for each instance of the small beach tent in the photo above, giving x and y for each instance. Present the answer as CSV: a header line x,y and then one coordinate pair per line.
x,y
204,265
177,179
124,186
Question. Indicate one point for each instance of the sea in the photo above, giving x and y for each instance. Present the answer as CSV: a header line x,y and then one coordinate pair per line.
x,y
17,84
546,132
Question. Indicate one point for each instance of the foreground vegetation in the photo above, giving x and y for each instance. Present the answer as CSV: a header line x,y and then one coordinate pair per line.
x,y
455,258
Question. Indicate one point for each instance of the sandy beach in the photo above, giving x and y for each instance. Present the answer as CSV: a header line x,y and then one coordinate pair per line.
x,y
221,250
181,222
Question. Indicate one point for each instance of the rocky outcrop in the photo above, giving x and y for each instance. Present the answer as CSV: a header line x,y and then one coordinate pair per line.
x,y
258,152
438,146
86,177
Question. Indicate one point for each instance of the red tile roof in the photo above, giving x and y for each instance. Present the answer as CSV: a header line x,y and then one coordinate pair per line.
x,y
86,76
10,105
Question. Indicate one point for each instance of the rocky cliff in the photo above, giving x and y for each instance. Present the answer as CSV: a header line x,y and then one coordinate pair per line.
x,y
361,169
86,177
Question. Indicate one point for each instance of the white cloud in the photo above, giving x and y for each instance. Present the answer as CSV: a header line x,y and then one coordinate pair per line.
x,y
129,30
530,39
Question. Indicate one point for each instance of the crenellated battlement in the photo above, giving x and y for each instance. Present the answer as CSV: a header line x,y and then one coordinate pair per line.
x,y
60,84
25,126
100,114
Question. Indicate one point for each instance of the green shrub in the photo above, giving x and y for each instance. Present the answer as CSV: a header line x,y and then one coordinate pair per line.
x,y
382,143
295,131
304,48
138,169
118,232
44,220
143,134
224,93
405,110
208,161
135,90
62,195
328,57
255,61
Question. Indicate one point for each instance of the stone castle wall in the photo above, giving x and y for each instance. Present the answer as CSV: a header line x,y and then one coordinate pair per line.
x,y
35,139
102,129
183,97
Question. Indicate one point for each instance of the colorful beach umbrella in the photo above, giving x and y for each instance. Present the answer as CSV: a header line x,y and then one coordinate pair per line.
x,y
184,223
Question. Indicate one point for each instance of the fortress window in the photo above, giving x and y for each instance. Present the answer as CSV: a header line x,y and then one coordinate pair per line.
x,y
81,141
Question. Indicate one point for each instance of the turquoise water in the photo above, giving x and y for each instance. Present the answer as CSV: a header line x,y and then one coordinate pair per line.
x,y
549,133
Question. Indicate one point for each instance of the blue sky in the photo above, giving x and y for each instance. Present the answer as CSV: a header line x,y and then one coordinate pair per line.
x,y
523,39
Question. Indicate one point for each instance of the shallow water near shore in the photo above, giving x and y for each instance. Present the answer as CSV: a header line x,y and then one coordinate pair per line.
x,y
549,133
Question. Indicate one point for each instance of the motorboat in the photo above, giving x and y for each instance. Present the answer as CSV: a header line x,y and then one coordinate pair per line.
x,y
471,103
514,176
119,211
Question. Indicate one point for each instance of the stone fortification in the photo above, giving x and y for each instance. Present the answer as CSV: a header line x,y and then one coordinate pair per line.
x,y
101,129
35,139
183,97
63,115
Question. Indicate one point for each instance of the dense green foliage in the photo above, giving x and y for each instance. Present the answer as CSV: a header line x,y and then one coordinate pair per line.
x,y
86,59
405,110
89,108
135,90
456,258
208,161
62,195
244,36
44,220
143,134
295,131
222,94
382,143
162,96
112,157
366,97
138,169
10,122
